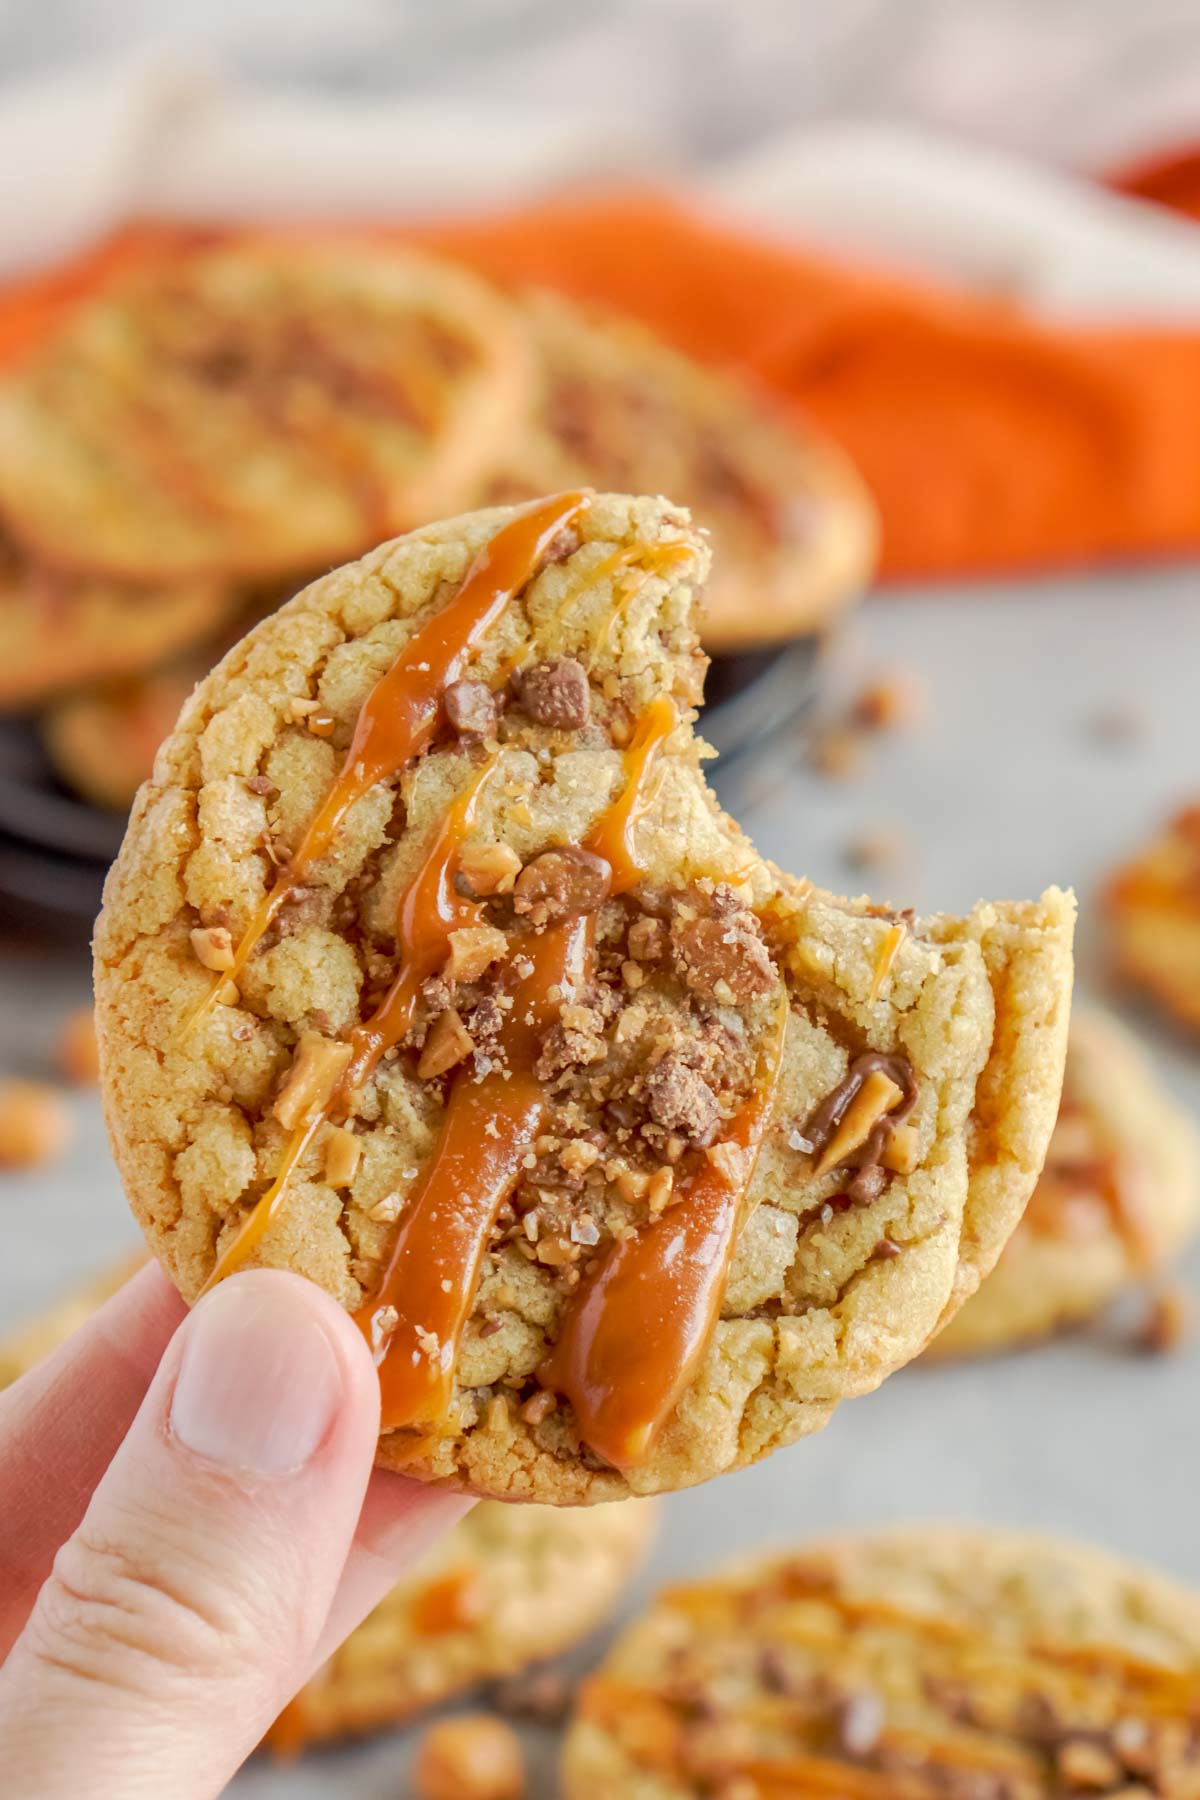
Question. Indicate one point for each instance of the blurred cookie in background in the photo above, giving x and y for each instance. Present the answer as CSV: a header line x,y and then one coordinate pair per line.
x,y
507,1588
1153,909
918,1663
60,629
256,407
793,529
1118,1197
102,740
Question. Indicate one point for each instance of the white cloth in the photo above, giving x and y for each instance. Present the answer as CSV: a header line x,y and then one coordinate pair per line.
x,y
79,151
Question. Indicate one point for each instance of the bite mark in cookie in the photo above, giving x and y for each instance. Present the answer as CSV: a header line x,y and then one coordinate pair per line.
x,y
513,1027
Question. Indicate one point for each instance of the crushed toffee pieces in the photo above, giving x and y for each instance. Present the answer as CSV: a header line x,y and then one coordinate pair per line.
x,y
534,942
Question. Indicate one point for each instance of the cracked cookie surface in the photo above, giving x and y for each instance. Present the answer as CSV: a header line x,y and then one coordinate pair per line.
x,y
1118,1196
518,1059
929,1663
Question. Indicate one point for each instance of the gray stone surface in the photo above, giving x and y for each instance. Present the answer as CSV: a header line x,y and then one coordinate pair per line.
x,y
1004,787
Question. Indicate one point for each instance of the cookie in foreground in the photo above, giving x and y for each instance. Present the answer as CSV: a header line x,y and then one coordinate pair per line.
x,y
1118,1197
929,1663
431,968
507,1587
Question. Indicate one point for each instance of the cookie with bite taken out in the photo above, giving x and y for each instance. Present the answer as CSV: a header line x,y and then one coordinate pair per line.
x,y
431,968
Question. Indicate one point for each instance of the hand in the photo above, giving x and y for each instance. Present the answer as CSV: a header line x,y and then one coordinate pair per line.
x,y
189,1524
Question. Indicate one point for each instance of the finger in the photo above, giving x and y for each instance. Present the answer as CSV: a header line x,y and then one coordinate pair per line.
x,y
60,1426
400,1519
189,1604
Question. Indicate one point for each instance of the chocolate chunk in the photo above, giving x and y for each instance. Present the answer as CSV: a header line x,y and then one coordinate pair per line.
x,y
680,1099
821,1124
559,884
866,1184
470,708
723,959
556,694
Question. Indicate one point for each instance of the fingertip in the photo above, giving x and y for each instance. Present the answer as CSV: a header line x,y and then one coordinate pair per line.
x,y
271,1373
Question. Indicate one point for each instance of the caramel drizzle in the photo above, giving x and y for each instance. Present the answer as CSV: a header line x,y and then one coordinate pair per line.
x,y
430,909
415,1321
635,1334
614,837
400,715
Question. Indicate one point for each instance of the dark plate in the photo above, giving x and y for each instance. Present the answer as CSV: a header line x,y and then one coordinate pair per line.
x,y
54,848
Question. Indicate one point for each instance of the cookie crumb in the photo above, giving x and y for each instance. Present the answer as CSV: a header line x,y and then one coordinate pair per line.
x,y
890,702
35,1124
1170,1321
838,751
877,847
470,1757
78,1056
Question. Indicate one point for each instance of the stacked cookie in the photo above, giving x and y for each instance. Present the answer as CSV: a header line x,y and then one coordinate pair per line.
x,y
229,416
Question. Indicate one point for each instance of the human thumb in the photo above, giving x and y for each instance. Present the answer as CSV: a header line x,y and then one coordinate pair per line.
x,y
187,1607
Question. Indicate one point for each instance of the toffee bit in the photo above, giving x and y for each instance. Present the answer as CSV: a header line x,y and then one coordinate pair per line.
x,y
321,724
885,959
556,694
312,1080
876,847
538,1407
387,1210
1170,1322
796,1140
889,702
212,946
886,1250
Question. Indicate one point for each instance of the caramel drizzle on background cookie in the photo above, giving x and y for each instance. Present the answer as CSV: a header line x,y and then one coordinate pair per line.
x,y
1033,1698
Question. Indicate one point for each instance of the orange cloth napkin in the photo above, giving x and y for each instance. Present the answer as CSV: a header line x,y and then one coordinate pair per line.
x,y
992,442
